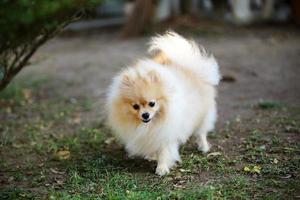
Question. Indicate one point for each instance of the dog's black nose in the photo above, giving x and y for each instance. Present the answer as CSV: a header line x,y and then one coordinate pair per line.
x,y
145,115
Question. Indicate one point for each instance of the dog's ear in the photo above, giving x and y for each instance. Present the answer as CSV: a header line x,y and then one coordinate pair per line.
x,y
154,76
126,81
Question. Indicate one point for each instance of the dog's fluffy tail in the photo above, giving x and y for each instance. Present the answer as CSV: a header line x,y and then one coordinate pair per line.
x,y
187,53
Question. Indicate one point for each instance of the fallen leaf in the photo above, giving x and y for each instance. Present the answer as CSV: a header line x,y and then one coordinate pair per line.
x,y
100,191
287,176
8,110
33,143
262,147
77,120
247,169
41,164
17,145
184,170
214,154
256,169
109,140
27,94
63,154
11,178
179,186
253,170
59,182
22,195
55,171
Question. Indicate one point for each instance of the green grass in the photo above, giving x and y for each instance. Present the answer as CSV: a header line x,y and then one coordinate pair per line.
x,y
263,104
37,128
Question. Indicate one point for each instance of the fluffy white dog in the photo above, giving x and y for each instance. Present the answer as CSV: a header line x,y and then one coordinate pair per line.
x,y
155,105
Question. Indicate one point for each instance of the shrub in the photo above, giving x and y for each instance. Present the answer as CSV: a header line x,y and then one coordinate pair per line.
x,y
27,24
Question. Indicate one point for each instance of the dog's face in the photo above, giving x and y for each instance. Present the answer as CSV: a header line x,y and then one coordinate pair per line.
x,y
143,98
145,110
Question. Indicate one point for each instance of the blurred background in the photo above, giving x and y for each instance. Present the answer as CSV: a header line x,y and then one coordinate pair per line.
x,y
137,17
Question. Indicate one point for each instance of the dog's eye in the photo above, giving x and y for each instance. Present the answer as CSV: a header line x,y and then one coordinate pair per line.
x,y
151,104
136,107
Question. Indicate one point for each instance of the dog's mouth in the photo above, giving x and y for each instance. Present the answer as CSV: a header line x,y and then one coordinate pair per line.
x,y
146,120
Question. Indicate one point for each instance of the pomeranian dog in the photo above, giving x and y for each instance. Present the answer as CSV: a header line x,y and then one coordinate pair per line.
x,y
157,104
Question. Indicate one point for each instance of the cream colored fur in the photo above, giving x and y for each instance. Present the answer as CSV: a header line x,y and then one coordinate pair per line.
x,y
184,95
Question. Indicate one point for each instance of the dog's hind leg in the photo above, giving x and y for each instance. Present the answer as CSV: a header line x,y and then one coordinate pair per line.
x,y
205,126
151,157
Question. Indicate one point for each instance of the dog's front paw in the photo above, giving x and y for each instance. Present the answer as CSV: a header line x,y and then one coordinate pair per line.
x,y
162,170
204,147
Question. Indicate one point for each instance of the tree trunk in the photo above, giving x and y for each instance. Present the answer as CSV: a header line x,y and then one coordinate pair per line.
x,y
140,19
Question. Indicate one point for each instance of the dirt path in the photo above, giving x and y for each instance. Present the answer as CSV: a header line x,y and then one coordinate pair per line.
x,y
264,64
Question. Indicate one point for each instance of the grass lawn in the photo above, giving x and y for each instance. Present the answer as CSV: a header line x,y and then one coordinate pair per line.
x,y
51,148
